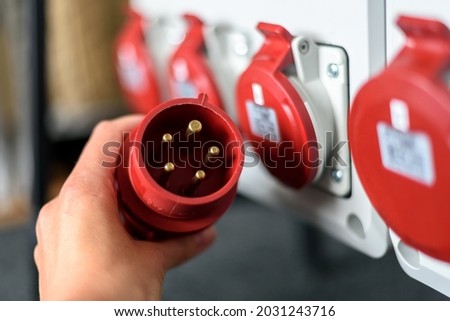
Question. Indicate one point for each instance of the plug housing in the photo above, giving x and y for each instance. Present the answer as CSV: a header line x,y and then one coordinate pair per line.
x,y
179,169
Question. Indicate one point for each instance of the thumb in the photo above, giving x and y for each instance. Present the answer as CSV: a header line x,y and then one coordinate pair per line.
x,y
181,249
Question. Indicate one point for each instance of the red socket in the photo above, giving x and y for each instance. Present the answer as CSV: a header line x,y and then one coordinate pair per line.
x,y
189,73
399,131
273,116
180,168
134,64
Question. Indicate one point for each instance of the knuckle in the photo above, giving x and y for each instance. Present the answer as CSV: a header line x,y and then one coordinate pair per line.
x,y
103,126
44,217
47,209
76,186
70,188
79,189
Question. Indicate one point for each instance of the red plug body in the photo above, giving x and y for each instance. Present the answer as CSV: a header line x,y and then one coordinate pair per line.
x,y
179,169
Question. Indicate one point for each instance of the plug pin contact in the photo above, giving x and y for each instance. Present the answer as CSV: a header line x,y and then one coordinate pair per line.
x,y
194,127
168,168
167,138
199,176
213,151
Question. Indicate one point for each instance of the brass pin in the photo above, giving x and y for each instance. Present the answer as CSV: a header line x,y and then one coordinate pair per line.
x,y
168,169
212,152
194,126
199,176
167,138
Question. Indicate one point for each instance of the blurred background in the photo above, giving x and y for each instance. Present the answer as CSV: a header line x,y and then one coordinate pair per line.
x,y
57,80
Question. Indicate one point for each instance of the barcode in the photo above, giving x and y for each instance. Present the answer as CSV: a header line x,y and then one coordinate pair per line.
x,y
406,153
263,121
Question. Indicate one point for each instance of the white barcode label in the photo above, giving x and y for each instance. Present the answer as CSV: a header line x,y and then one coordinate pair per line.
x,y
263,121
406,153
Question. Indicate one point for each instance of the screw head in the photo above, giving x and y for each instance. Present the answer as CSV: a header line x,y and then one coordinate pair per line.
x,y
337,175
304,47
333,71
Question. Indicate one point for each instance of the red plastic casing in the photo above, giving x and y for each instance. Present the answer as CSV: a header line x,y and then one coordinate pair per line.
x,y
189,73
134,65
151,210
418,211
292,157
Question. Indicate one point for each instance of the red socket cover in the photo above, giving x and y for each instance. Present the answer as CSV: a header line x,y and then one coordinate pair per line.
x,y
273,116
134,65
189,73
399,131
158,203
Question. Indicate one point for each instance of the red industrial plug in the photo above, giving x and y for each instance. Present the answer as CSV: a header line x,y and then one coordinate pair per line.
x,y
180,168
399,131
272,114
134,65
189,72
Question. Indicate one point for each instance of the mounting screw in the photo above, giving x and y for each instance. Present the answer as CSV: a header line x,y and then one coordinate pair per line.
x,y
333,71
337,175
303,47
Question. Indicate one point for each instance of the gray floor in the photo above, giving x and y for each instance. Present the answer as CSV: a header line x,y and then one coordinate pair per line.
x,y
259,255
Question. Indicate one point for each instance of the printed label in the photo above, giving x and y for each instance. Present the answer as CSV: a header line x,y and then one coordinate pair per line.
x,y
406,153
263,121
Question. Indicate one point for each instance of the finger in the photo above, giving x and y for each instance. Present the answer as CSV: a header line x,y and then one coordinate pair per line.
x,y
94,172
106,131
179,250
45,214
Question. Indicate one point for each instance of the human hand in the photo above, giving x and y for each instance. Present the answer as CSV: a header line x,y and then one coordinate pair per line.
x,y
84,252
